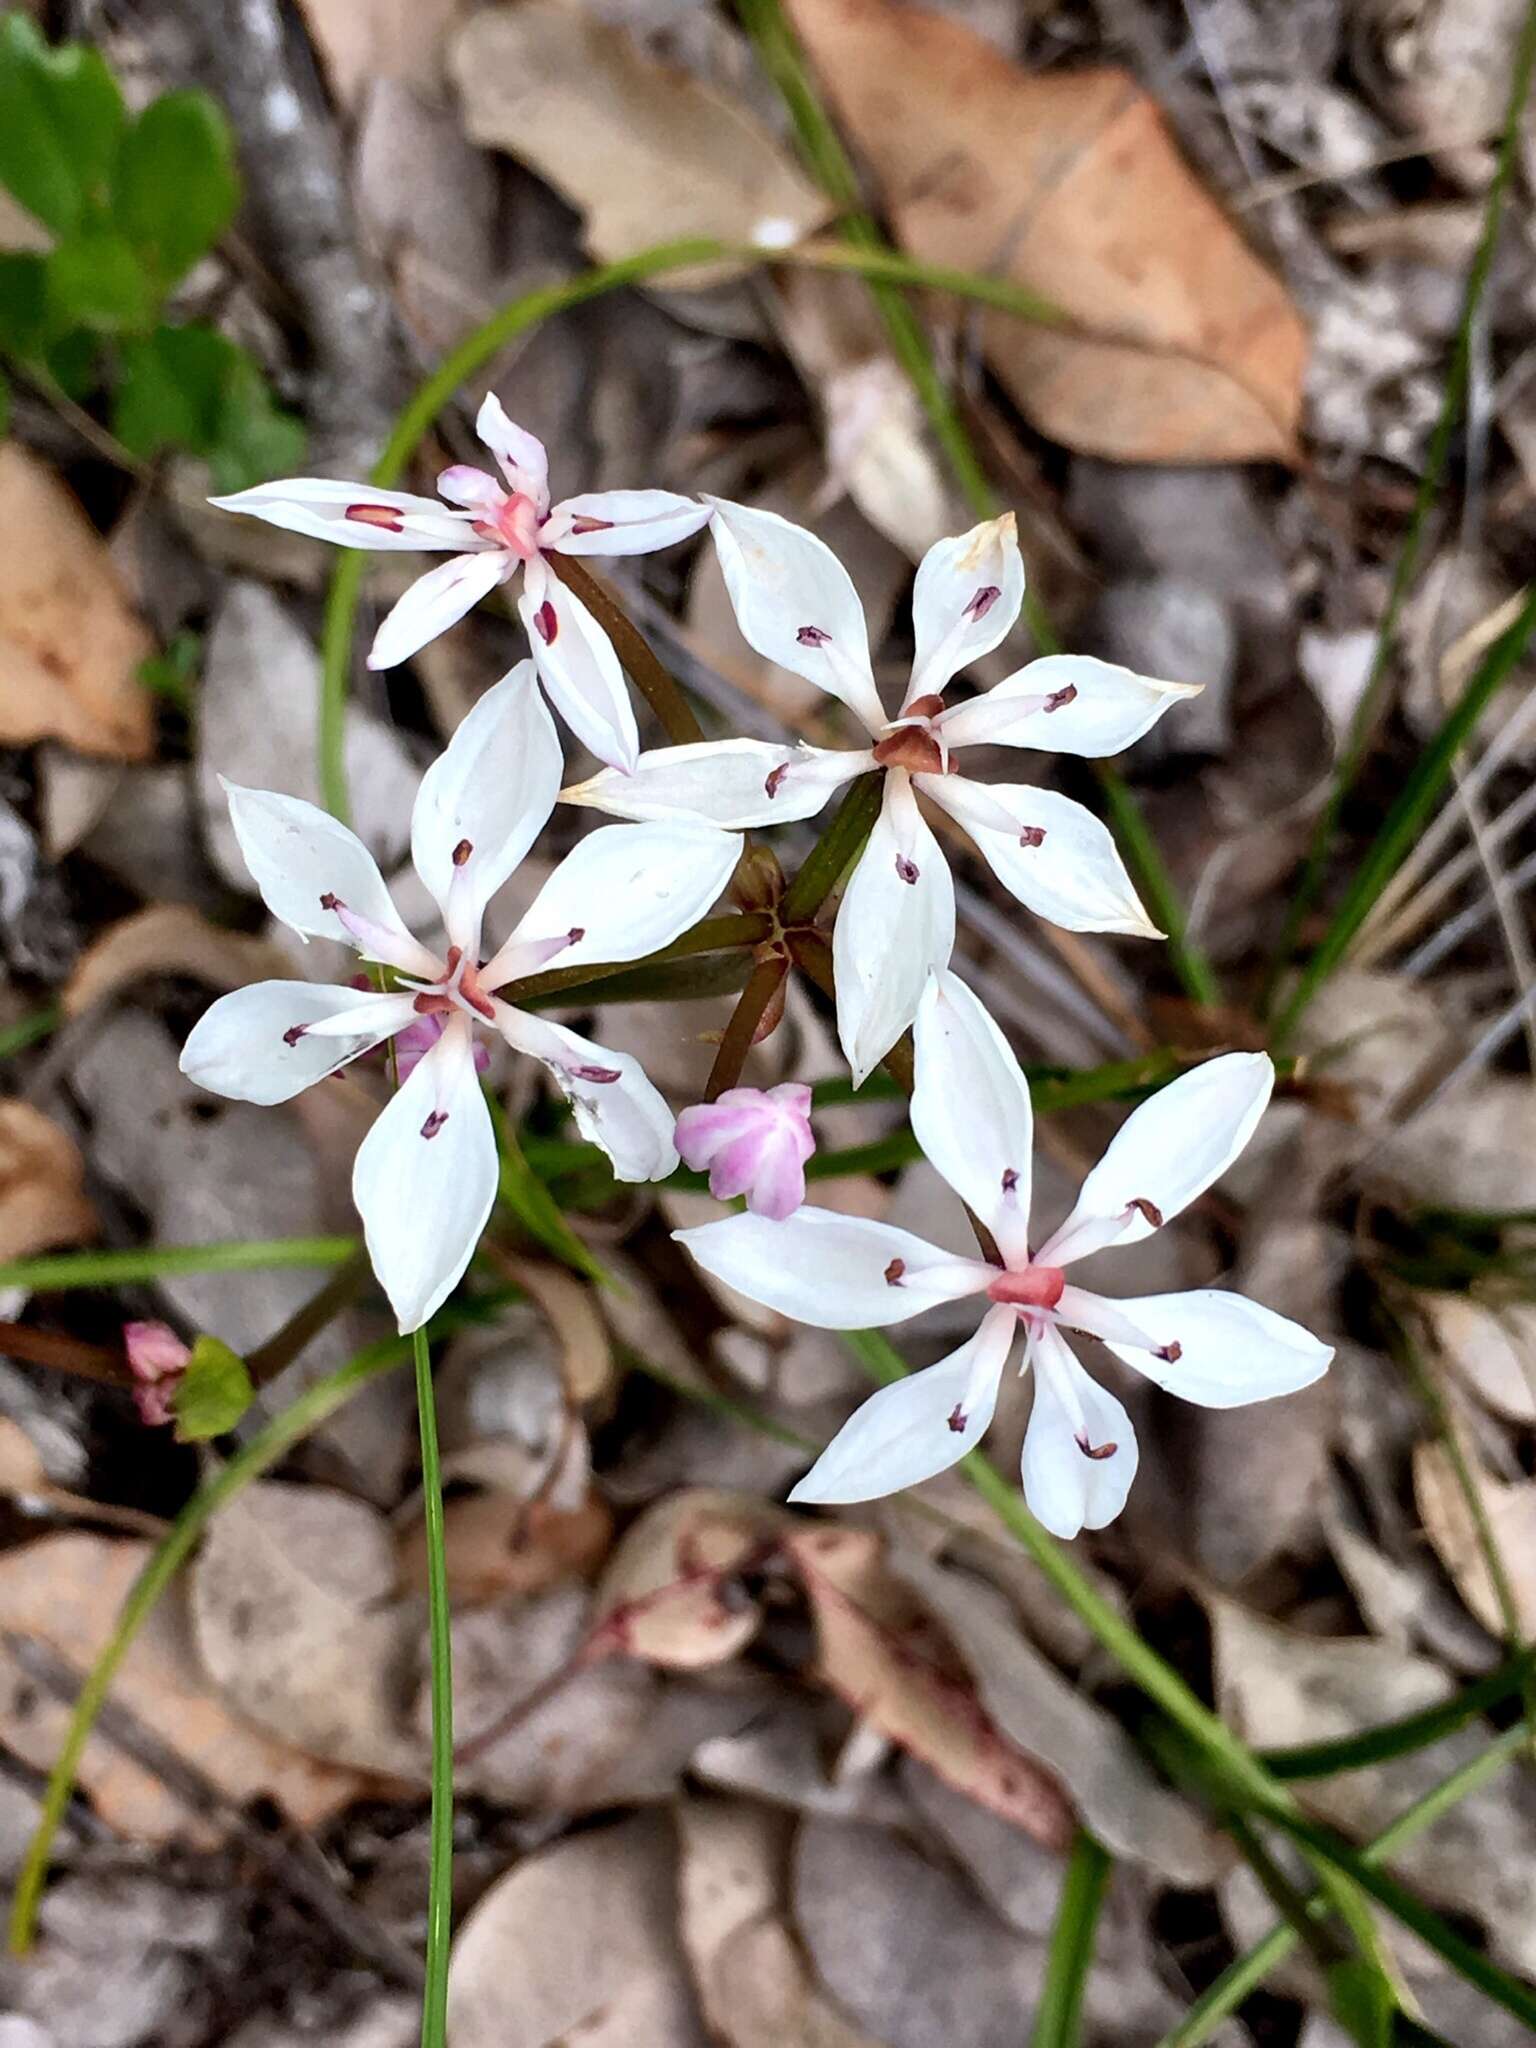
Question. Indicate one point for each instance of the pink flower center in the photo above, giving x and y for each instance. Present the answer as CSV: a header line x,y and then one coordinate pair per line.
x,y
515,523
1029,1287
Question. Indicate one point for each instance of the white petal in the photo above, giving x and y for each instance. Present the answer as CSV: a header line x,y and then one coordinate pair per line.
x,y
1067,1489
239,1047
492,789
614,1104
896,926
299,854
971,1110
796,604
907,1432
628,890
1168,1151
578,667
522,458
1107,709
356,515
462,484
435,602
834,1271
1230,1350
1057,858
734,783
424,1200
622,522
965,600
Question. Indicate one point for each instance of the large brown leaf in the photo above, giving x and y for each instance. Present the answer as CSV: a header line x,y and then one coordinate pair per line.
x,y
1187,348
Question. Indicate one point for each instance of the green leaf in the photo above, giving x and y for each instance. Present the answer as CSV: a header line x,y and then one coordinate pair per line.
x,y
96,280
173,674
71,363
177,187
1363,2003
531,1202
254,438
5,407
61,118
170,393
213,1393
24,324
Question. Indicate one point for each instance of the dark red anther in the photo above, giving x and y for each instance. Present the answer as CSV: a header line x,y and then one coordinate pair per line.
x,y
1170,1354
1149,1210
957,1419
1032,835
584,523
462,852
385,516
1010,1179
548,623
894,1271
907,869
982,602
434,1123
1058,699
597,1073
1098,1452
294,1033
576,933
330,902
813,636
773,781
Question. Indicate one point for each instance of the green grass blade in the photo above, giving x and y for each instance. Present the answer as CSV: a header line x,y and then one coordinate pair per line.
x,y
1059,2016
55,1271
1401,1737
434,2011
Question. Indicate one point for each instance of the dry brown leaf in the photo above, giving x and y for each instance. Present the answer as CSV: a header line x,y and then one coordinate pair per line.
x,y
571,1310
665,1597
169,938
1068,182
498,1545
1449,1525
879,1652
363,41
42,1185
577,1943
646,153
70,642
66,1591
1491,1350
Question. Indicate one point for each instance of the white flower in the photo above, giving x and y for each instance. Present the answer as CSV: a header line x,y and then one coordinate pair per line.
x,y
426,1173
797,606
500,529
971,1112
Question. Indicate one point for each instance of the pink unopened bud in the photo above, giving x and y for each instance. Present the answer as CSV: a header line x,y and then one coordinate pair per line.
x,y
157,1358
754,1143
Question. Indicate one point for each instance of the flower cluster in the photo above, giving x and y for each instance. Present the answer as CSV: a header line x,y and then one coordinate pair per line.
x,y
427,1173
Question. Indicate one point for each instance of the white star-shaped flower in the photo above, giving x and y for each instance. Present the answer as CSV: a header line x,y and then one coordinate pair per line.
x,y
971,1112
426,1174
797,606
503,526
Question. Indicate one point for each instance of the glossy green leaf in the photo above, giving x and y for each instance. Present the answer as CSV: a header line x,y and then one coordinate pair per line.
x,y
97,280
253,437
176,188
61,119
170,390
24,320
213,1394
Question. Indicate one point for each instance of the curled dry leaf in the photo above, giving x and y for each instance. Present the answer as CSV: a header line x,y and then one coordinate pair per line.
x,y
66,1591
1113,1788
363,41
880,1652
1450,1527
1491,1350
647,153
580,1943
42,1184
671,1593
70,642
170,938
570,1308
497,1544
1184,348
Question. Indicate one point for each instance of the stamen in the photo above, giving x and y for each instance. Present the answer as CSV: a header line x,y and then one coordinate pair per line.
x,y
907,869
596,1074
386,516
982,602
894,1271
548,623
813,636
1098,1452
1149,1210
773,782
330,902
294,1033
434,1123
1170,1354
1032,835
1010,1179
957,1419
1058,699
462,852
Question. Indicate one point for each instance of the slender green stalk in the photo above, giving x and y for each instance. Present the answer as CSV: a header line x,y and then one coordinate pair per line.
x,y
434,2012
1408,814
55,1271
1435,461
28,1030
1059,2016
1243,1977
263,1451
828,860
1188,960
735,930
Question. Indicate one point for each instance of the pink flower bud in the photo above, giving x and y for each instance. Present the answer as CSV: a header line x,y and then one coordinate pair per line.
x,y
157,1358
754,1143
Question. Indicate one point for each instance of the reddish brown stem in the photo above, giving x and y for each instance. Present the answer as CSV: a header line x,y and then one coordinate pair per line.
x,y
652,678
65,1354
751,1007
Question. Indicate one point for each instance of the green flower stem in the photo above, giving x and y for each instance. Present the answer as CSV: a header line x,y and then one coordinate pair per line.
x,y
839,845
1188,960
1243,1977
735,931
434,2015
1059,2016
1402,1737
1436,459
258,1456
56,1271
